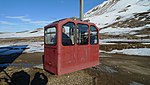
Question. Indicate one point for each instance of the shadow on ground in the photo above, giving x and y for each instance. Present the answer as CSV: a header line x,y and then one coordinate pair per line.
x,y
9,54
23,78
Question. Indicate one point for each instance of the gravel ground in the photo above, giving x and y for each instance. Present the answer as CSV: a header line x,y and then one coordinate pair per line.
x,y
114,69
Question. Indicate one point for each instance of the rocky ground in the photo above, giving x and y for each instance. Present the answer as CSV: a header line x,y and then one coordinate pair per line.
x,y
114,69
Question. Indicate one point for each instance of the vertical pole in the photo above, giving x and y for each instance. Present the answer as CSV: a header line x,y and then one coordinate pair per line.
x,y
81,10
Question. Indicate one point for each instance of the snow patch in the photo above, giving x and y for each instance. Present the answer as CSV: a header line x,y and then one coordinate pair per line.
x,y
120,31
35,47
109,41
142,35
102,51
40,66
136,51
21,47
135,83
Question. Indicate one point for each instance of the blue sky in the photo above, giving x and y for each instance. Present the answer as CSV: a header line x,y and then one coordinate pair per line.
x,y
21,15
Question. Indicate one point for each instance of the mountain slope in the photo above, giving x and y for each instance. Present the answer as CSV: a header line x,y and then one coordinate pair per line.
x,y
115,10
122,17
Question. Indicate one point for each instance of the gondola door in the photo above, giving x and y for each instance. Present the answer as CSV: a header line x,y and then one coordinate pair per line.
x,y
82,45
50,49
68,55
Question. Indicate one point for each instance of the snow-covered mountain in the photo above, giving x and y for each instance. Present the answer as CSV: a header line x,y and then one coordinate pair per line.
x,y
115,10
117,17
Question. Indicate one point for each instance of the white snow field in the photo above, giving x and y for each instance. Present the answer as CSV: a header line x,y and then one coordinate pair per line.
x,y
121,31
135,51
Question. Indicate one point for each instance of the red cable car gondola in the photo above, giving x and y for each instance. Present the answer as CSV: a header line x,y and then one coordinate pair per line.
x,y
70,45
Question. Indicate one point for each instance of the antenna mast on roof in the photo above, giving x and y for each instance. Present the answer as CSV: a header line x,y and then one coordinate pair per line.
x,y
81,10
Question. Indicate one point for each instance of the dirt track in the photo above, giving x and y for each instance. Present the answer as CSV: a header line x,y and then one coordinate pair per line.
x,y
112,70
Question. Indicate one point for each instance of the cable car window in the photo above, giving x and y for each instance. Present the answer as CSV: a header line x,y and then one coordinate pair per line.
x,y
82,34
50,36
68,34
93,35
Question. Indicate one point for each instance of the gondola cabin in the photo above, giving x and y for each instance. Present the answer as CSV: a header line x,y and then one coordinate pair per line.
x,y
70,45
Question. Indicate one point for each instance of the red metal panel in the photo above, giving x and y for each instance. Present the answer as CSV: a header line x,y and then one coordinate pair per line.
x,y
67,59
50,59
83,54
94,53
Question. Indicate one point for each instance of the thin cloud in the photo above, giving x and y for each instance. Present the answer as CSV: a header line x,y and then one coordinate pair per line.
x,y
15,17
7,23
40,22
24,19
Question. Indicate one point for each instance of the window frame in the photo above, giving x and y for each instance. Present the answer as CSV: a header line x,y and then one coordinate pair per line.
x,y
77,33
97,35
69,36
49,33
